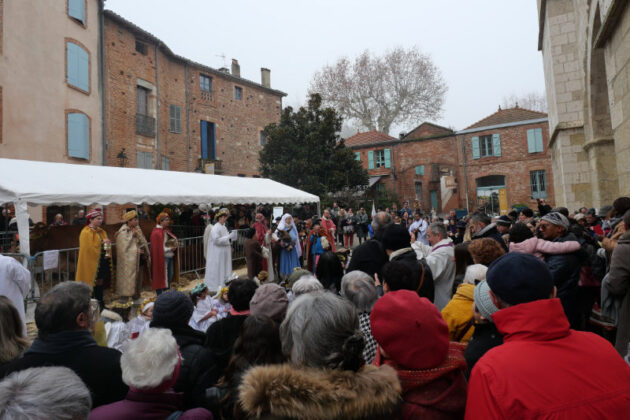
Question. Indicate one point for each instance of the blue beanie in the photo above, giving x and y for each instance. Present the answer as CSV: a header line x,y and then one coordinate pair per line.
x,y
519,278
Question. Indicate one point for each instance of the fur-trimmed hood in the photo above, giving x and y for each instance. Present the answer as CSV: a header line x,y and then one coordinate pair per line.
x,y
286,392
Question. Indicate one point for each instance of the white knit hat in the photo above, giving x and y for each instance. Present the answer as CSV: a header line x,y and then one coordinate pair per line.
x,y
475,272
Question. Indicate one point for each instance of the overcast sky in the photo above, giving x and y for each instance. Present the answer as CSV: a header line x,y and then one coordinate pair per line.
x,y
486,49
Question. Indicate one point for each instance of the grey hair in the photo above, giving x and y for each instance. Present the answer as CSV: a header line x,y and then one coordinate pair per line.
x,y
321,330
306,284
53,392
58,309
150,359
480,217
358,288
438,229
381,221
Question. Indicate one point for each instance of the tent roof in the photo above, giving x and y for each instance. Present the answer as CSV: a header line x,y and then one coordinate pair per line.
x,y
61,183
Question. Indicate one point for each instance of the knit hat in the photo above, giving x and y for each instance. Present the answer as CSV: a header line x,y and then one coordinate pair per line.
x,y
557,219
504,221
271,300
172,309
410,329
396,237
483,302
519,278
475,272
295,276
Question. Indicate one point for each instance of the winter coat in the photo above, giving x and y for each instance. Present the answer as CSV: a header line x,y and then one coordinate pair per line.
x,y
253,257
146,406
610,243
618,284
565,270
369,257
491,232
485,337
545,370
439,258
538,247
220,340
289,392
458,314
408,257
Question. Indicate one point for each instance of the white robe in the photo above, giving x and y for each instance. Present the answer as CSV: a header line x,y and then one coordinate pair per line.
x,y
137,326
201,309
439,258
206,238
219,258
15,282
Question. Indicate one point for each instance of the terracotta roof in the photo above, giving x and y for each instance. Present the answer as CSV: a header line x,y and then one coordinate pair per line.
x,y
428,129
369,137
504,116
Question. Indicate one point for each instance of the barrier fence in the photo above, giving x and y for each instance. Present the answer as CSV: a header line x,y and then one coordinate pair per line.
x,y
64,262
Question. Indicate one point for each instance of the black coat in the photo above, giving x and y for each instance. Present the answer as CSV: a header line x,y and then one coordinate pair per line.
x,y
369,257
410,259
485,337
221,337
98,367
491,232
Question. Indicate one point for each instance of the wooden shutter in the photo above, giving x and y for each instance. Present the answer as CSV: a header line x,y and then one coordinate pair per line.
x,y
371,159
76,10
539,140
475,147
78,67
531,141
204,139
78,135
213,142
420,170
496,144
388,160
357,156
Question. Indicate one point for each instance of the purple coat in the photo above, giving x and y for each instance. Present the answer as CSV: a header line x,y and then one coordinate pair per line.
x,y
137,405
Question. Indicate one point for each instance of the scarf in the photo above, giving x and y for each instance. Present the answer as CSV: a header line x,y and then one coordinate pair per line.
x,y
63,342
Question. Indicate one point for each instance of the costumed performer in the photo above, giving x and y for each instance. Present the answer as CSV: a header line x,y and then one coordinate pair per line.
x,y
130,246
319,241
164,261
140,323
290,246
219,257
204,313
94,267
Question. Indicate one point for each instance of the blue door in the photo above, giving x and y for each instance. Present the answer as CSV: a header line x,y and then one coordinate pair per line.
x,y
208,141
434,200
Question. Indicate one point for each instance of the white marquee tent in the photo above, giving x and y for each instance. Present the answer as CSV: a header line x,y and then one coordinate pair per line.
x,y
25,182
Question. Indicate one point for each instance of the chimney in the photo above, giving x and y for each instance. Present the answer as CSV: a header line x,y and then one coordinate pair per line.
x,y
236,68
265,77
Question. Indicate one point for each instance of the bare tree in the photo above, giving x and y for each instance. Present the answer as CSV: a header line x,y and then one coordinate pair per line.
x,y
534,101
402,86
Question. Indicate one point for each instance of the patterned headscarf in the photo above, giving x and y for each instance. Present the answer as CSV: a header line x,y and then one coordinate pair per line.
x,y
92,214
161,217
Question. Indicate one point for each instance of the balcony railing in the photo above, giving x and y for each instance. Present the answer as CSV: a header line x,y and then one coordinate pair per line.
x,y
206,166
145,125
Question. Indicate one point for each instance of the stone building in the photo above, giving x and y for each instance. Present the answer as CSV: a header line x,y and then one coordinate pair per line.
x,y
584,44
166,112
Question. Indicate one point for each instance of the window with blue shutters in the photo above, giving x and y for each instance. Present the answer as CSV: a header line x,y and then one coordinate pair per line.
x,y
208,141
76,10
534,140
475,147
175,118
486,146
77,67
496,145
263,139
238,93
388,160
371,159
420,170
78,128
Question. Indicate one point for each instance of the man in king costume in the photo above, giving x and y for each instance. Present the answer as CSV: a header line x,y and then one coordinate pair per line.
x,y
94,267
130,246
164,261
219,257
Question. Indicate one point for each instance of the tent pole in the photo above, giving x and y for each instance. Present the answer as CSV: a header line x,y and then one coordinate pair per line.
x,y
319,209
21,214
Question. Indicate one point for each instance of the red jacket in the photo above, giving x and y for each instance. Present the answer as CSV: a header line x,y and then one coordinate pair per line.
x,y
546,370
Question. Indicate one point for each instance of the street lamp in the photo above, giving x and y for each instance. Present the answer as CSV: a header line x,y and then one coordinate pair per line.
x,y
122,158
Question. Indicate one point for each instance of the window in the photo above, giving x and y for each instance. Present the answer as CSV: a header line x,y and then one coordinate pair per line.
x,y
77,67
145,160
263,139
145,124
240,175
205,83
538,182
166,163
78,128
357,156
76,10
208,141
420,170
143,100
535,140
380,188
175,118
379,159
238,93
141,47
485,146
418,189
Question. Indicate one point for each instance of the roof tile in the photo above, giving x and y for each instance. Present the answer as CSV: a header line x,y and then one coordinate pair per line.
x,y
504,116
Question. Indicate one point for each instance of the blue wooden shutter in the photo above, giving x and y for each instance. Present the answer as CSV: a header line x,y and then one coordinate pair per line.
x,y
496,145
475,147
371,159
204,139
417,170
78,66
357,156
76,9
78,136
420,170
213,141
539,140
388,160
531,141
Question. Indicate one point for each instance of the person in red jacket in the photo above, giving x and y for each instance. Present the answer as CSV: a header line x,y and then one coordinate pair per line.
x,y
543,369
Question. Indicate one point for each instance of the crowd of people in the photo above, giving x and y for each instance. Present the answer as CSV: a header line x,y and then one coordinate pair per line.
x,y
439,318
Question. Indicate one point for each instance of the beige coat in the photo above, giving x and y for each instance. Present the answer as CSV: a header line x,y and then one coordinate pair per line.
x,y
128,245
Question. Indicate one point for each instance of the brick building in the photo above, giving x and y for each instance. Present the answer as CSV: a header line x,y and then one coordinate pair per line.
x,y
495,163
504,159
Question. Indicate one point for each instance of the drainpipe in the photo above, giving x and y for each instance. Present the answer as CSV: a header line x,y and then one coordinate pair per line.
x,y
157,111
102,74
465,173
187,118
